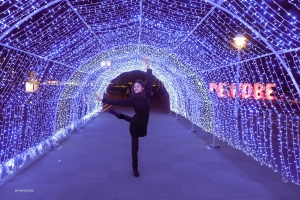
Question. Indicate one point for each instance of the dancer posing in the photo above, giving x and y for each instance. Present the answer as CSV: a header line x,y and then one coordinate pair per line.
x,y
140,101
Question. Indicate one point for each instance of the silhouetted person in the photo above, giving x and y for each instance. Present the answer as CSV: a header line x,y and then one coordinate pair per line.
x,y
155,91
122,92
127,92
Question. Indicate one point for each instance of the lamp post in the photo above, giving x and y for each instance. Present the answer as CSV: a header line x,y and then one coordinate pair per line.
x,y
239,44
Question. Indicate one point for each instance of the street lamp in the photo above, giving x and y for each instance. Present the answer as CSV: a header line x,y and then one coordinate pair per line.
x,y
239,42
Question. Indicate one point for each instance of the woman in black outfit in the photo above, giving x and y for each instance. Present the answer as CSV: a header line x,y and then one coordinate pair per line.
x,y
140,101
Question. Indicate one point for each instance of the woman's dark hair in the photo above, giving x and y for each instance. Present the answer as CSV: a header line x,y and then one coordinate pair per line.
x,y
142,83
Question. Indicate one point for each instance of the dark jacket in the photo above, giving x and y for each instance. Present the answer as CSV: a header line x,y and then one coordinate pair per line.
x,y
141,105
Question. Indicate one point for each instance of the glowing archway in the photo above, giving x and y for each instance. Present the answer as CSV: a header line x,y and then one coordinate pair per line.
x,y
188,95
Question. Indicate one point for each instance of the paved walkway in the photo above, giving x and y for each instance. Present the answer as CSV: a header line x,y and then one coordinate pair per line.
x,y
95,163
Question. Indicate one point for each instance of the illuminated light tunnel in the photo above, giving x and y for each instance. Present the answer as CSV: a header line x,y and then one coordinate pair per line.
x,y
51,55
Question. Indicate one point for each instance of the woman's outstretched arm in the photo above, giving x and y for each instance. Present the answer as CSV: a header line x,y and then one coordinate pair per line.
x,y
148,78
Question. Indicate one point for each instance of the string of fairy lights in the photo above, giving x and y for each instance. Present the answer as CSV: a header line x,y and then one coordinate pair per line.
x,y
54,55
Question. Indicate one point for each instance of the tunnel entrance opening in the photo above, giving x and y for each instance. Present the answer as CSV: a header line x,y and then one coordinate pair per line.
x,y
121,86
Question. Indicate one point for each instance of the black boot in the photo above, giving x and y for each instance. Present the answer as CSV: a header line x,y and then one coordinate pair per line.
x,y
116,113
136,173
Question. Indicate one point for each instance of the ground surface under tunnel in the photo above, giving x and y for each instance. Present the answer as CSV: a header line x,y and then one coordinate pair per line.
x,y
95,163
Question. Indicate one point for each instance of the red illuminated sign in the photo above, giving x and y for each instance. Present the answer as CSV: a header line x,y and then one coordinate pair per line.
x,y
246,90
